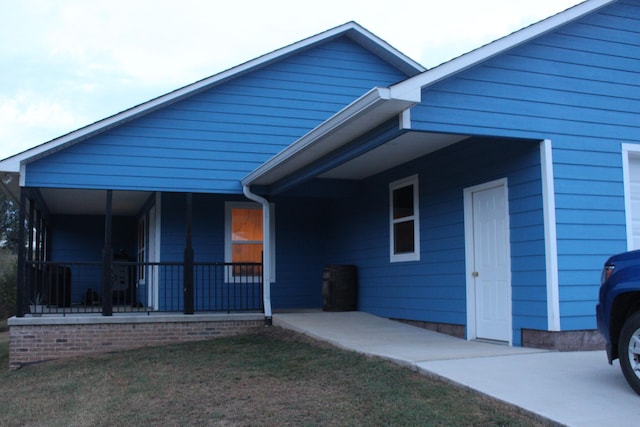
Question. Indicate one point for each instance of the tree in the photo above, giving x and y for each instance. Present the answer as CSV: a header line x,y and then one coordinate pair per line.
x,y
8,224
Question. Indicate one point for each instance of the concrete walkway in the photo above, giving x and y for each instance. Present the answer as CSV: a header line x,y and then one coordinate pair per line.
x,y
570,388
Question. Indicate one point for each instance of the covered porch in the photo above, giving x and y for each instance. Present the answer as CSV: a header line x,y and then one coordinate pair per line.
x,y
98,252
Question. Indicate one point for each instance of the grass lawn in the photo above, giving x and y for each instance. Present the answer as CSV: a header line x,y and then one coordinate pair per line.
x,y
275,378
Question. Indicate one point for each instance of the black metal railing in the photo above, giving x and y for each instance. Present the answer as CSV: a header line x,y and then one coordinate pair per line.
x,y
78,287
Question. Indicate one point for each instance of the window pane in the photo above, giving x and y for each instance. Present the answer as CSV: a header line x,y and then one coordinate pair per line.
x,y
403,202
246,252
246,224
403,234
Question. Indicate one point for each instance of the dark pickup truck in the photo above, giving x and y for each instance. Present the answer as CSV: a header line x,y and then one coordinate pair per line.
x,y
618,313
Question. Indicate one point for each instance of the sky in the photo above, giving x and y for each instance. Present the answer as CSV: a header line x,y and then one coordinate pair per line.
x,y
65,64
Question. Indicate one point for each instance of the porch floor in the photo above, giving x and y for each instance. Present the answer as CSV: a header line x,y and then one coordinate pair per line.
x,y
88,318
400,342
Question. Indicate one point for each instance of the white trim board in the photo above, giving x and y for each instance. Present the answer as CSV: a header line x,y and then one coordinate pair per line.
x,y
628,150
550,235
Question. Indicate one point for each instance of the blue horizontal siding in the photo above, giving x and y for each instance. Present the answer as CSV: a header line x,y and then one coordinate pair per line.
x,y
208,226
298,272
434,288
577,216
80,238
577,86
212,139
301,252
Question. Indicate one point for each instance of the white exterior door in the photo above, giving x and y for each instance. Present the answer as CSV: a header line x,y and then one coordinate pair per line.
x,y
488,261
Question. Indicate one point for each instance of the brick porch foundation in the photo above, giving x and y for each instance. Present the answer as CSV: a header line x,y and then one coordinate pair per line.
x,y
38,339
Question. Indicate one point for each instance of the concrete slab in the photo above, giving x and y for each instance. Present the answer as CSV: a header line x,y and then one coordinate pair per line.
x,y
374,335
573,388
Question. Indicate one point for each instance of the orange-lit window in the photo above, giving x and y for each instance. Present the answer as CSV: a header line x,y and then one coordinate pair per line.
x,y
244,239
246,235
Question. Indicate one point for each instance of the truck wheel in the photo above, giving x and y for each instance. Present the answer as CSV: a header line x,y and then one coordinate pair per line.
x,y
629,351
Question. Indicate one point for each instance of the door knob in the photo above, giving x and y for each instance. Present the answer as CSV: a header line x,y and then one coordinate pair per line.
x,y
475,274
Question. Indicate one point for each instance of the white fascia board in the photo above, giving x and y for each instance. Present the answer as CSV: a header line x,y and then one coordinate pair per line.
x,y
497,47
370,41
308,147
10,164
384,50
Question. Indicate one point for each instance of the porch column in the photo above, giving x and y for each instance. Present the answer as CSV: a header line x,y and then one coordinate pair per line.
x,y
107,259
21,282
34,291
188,258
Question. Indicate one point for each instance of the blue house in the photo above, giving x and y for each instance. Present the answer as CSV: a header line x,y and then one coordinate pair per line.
x,y
479,198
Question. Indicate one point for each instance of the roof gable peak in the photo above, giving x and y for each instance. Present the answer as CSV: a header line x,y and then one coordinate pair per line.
x,y
350,29
496,47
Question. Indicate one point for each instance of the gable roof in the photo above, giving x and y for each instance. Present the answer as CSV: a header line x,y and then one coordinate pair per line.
x,y
497,47
351,29
340,129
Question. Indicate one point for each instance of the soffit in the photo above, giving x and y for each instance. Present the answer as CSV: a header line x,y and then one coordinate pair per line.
x,y
92,202
400,150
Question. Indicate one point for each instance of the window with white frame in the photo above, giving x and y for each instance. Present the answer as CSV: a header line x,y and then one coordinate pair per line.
x,y
404,220
244,238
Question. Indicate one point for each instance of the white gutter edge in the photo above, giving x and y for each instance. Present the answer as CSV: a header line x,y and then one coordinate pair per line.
x,y
266,251
550,235
334,122
359,106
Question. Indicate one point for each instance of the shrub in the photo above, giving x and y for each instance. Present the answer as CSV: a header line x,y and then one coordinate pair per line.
x,y
8,279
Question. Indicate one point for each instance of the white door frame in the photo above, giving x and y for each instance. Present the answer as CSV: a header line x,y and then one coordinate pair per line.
x,y
470,255
629,151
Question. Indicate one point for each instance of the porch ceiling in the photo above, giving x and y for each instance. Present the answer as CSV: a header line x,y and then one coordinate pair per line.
x,y
406,147
92,202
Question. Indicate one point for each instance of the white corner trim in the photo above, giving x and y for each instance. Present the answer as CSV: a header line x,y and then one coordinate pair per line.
x,y
405,119
23,175
158,229
158,251
550,235
628,150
